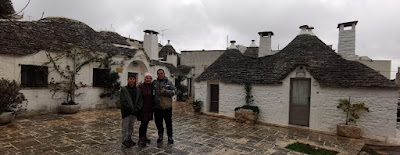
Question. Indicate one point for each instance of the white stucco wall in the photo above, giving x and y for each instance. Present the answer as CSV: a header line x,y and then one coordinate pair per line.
x,y
172,59
199,60
273,101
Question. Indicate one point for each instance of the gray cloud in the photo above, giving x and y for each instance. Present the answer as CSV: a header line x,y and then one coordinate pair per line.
x,y
205,24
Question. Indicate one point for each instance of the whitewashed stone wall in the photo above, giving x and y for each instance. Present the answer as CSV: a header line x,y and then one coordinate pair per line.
x,y
172,59
199,60
41,100
273,101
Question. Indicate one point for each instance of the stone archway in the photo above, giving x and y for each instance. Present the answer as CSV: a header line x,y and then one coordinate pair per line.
x,y
138,68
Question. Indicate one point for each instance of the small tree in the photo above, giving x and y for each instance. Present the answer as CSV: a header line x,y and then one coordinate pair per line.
x,y
112,85
10,97
351,109
67,83
181,90
248,99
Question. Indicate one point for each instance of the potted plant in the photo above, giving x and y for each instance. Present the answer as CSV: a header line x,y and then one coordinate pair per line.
x,y
247,113
350,129
67,82
197,104
11,100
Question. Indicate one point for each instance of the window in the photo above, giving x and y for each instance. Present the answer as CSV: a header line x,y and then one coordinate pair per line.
x,y
99,77
34,76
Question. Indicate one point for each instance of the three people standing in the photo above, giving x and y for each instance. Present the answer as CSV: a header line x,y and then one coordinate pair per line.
x,y
141,102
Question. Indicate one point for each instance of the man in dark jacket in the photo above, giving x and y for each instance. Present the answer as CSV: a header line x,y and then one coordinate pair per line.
x,y
131,103
165,90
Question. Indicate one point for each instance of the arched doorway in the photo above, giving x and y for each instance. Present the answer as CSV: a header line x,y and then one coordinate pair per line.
x,y
137,68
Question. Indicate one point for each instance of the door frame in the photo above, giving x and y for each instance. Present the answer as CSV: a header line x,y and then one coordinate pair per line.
x,y
309,98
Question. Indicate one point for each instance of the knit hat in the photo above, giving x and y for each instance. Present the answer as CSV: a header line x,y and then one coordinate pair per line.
x,y
147,74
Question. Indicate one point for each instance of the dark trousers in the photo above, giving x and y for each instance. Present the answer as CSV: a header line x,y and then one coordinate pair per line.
x,y
166,115
143,128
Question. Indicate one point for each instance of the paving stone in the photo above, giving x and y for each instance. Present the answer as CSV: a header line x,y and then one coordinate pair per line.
x,y
26,143
98,132
65,148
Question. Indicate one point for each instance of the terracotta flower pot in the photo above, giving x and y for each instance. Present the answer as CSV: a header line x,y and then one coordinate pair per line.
x,y
352,131
69,109
118,104
196,108
6,117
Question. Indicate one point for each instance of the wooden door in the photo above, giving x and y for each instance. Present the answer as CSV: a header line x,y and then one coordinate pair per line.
x,y
214,98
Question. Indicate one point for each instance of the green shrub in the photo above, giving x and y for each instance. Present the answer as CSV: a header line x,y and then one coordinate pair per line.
x,y
197,103
10,97
351,109
253,108
309,149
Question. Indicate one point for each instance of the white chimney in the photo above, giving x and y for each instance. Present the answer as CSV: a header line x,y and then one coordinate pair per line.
x,y
150,44
253,43
310,31
233,46
347,40
265,43
168,43
303,29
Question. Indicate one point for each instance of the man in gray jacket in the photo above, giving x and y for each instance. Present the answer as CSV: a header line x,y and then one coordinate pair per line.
x,y
131,103
164,91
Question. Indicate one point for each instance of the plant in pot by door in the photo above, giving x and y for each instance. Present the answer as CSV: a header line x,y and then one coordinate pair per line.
x,y
350,129
197,104
247,113
11,100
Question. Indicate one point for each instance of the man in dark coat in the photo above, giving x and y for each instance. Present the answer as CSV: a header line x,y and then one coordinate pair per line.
x,y
165,90
131,103
146,114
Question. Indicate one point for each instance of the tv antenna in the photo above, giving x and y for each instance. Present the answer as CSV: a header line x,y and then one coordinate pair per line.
x,y
162,35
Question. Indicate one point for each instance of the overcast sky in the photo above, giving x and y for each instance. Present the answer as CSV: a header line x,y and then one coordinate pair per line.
x,y
205,24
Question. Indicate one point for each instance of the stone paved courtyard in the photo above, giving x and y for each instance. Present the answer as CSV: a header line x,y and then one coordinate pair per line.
x,y
98,132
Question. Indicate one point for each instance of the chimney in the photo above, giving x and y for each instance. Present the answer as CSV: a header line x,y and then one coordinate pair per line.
x,y
150,44
168,44
253,43
265,43
310,31
347,40
303,29
233,46
398,77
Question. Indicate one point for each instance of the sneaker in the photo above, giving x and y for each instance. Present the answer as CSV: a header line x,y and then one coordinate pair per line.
x,y
130,141
170,140
159,140
126,144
